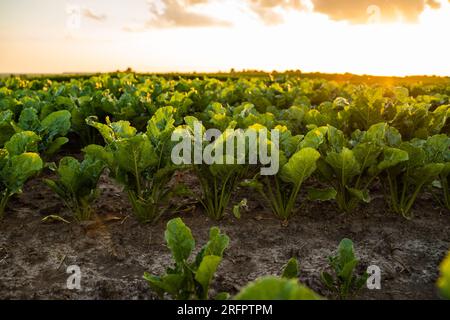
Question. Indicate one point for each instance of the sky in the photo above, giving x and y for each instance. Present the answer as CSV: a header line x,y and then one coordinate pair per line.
x,y
379,37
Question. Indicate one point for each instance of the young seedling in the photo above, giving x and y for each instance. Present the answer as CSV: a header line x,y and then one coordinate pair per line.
x,y
291,270
344,281
189,279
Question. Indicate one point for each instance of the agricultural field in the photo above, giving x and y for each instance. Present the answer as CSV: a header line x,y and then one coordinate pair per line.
x,y
347,195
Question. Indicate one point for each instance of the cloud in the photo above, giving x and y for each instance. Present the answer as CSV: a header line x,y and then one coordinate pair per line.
x,y
180,13
186,13
434,4
90,14
194,13
362,11
269,11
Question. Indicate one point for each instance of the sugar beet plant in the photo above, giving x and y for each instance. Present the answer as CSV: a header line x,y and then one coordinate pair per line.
x,y
344,280
351,166
444,185
218,179
18,162
296,165
438,151
76,183
140,162
189,278
426,162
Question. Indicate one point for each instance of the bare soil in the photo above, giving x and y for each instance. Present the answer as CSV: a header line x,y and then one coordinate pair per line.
x,y
114,250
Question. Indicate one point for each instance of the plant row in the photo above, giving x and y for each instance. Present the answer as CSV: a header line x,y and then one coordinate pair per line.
x,y
142,162
347,137
416,110
191,277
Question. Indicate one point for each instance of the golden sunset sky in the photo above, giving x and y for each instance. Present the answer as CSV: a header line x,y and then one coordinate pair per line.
x,y
380,37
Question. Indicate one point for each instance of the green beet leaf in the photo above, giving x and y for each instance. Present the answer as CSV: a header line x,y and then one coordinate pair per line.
x,y
322,194
300,166
179,239
291,270
273,288
443,282
205,273
56,124
19,169
25,141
